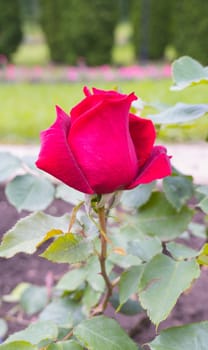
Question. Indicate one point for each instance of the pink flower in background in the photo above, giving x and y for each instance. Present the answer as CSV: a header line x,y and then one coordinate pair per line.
x,y
166,71
10,72
72,74
101,147
132,72
38,72
53,73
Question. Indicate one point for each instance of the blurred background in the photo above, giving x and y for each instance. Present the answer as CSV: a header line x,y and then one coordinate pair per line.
x,y
97,32
50,48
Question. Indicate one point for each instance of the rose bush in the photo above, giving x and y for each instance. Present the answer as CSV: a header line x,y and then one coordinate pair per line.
x,y
101,147
133,262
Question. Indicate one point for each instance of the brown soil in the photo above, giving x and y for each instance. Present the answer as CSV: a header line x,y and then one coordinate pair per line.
x,y
192,306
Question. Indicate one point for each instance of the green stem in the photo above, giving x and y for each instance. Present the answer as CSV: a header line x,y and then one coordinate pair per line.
x,y
103,256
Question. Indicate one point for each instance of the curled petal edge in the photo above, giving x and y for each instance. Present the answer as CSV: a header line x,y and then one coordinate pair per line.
x,y
156,167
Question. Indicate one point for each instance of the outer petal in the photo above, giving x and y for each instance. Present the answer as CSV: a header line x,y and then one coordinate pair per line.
x,y
143,136
156,167
112,94
85,106
57,159
94,101
87,91
101,143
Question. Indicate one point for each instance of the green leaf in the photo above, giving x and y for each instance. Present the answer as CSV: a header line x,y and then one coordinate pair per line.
x,y
29,161
126,232
203,204
9,164
130,308
187,72
15,295
69,194
162,283
103,333
72,280
130,278
124,261
3,328
64,312
159,218
178,189
36,333
30,192
203,255
198,230
94,277
29,231
145,248
90,298
189,337
34,299
20,345
203,189
50,234
65,345
90,229
180,251
180,113
137,197
69,248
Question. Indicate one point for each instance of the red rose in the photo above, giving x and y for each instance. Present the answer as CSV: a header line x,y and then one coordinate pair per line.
x,y
101,147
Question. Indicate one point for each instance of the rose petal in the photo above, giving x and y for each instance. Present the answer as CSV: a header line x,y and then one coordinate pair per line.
x,y
85,106
57,159
112,94
143,135
156,167
86,91
101,143
94,101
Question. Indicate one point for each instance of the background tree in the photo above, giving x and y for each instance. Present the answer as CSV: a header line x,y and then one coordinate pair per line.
x,y
80,29
151,27
190,29
10,27
30,11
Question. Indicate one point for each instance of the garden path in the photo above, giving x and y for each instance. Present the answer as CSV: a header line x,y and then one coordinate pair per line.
x,y
189,158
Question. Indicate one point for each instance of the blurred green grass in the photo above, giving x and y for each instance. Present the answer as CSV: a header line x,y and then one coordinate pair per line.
x,y
26,109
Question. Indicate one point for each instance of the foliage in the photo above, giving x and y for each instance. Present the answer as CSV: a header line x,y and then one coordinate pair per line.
x,y
182,337
187,37
30,11
188,72
77,294
132,263
10,27
151,27
35,51
70,37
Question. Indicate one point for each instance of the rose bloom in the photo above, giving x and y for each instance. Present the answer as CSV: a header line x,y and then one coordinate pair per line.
x,y
100,147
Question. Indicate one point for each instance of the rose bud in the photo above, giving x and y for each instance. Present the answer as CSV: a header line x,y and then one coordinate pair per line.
x,y
101,147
